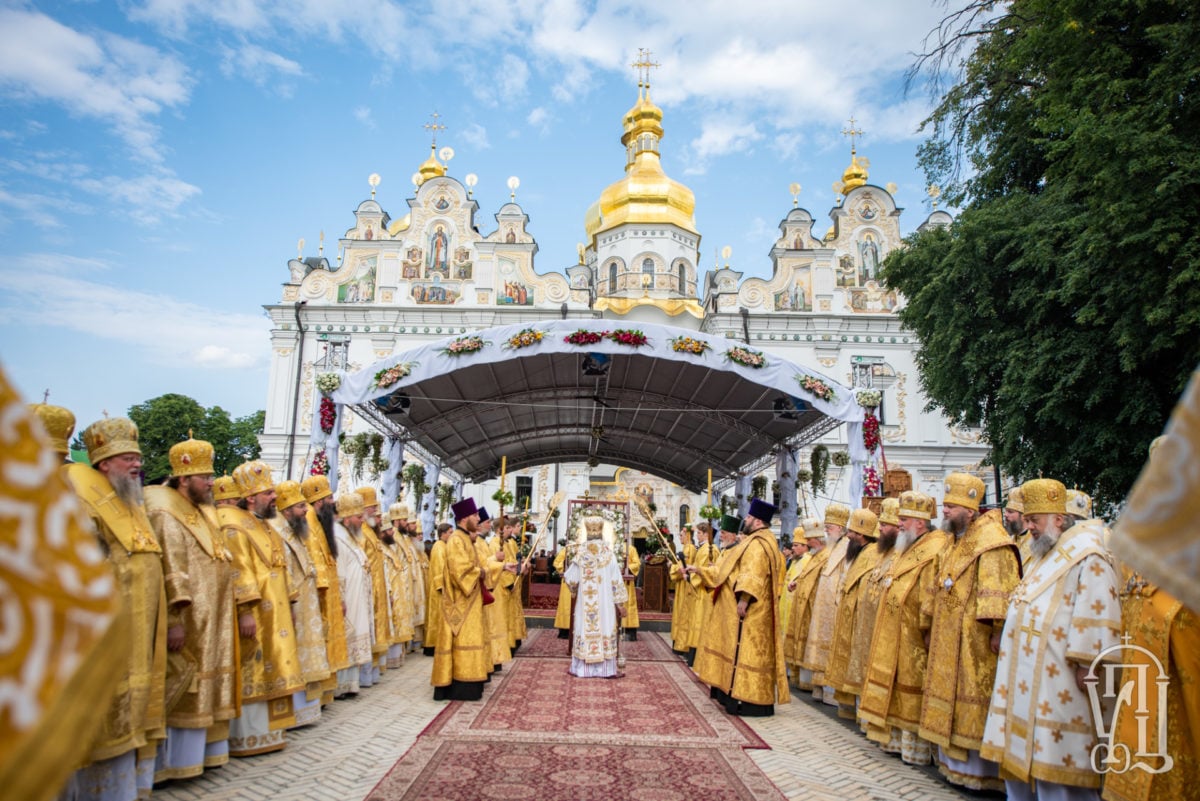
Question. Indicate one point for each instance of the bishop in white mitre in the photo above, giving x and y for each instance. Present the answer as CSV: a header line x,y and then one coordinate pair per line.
x,y
1062,616
595,580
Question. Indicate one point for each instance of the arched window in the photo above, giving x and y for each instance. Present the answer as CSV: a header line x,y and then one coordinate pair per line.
x,y
612,276
684,514
648,266
682,278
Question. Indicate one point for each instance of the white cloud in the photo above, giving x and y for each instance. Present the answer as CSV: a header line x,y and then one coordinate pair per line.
x,y
718,137
538,118
512,76
43,211
105,77
169,331
363,115
261,67
476,136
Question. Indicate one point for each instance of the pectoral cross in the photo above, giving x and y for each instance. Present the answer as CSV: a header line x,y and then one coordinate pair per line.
x,y
1065,553
1029,631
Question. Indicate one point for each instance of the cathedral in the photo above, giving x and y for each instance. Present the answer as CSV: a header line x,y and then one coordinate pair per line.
x,y
440,269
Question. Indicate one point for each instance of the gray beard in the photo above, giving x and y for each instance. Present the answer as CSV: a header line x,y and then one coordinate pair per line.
x,y
904,541
128,488
1044,544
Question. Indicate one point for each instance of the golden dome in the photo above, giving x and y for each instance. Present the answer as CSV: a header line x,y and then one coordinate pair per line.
x,y
431,167
646,194
854,176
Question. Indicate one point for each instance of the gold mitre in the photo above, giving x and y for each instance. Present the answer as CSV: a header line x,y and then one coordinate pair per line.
x,y
1016,501
890,512
253,478
110,437
288,494
1079,504
810,528
192,457
368,495
315,488
349,504
1044,496
226,489
863,521
917,504
837,514
58,422
397,511
963,489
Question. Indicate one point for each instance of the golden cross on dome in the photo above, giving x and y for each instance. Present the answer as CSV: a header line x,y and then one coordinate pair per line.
x,y
643,65
853,133
46,396
434,127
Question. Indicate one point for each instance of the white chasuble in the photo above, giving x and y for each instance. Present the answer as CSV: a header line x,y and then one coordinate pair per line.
x,y
595,579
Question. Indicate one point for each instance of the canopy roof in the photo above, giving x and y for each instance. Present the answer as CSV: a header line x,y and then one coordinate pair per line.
x,y
673,413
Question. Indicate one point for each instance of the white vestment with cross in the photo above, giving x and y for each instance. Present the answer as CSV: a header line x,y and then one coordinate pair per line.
x,y
1063,614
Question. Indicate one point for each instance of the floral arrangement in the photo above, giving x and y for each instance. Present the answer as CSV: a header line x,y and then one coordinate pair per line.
x,y
746,357
869,398
390,375
819,462
467,344
328,415
816,387
445,497
758,487
709,512
613,513
841,458
689,345
503,497
585,337
870,432
524,338
414,477
871,482
628,336
327,383
320,464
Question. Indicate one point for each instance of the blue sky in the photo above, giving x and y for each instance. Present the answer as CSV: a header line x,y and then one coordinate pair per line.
x,y
159,159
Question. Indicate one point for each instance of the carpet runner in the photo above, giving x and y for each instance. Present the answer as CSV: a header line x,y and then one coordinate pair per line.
x,y
540,733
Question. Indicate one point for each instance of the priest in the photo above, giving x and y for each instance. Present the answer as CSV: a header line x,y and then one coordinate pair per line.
x,y
803,590
594,577
815,656
462,657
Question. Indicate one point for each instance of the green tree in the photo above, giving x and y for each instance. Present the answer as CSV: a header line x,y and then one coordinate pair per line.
x,y
167,419
1061,309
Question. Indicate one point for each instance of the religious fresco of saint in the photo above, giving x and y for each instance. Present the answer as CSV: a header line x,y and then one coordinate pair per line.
x,y
361,287
463,266
514,293
436,292
410,270
794,298
872,299
437,258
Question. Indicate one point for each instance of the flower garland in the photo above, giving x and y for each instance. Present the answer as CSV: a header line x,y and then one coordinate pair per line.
x,y
467,344
628,336
869,398
328,415
390,375
524,338
708,512
871,483
585,337
870,432
327,383
503,497
320,464
746,357
816,387
689,345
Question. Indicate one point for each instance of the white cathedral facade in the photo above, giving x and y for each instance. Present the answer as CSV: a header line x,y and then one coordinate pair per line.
x,y
439,270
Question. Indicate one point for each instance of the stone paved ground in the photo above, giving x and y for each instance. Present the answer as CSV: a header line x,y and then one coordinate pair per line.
x,y
815,756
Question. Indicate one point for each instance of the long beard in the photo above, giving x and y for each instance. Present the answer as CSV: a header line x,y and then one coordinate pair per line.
x,y
299,526
853,549
128,488
325,517
1044,543
887,542
904,541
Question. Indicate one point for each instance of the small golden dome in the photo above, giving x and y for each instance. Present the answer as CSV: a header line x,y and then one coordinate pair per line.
x,y
431,167
854,176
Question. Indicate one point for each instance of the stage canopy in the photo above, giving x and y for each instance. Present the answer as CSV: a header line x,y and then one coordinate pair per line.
x,y
660,406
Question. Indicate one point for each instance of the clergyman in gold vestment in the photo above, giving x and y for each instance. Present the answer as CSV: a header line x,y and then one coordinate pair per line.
x,y
742,648
462,657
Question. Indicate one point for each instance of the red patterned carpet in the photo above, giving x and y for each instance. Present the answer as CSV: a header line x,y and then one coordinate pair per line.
x,y
540,733
543,602
545,644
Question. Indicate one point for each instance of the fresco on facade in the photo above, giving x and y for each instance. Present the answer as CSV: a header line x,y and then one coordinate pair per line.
x,y
794,298
464,269
361,286
436,292
872,298
410,270
437,260
514,293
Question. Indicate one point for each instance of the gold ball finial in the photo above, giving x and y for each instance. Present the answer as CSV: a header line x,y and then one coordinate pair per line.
x,y
513,183
726,252
373,180
794,189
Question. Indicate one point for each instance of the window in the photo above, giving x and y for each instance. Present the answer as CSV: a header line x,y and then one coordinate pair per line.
x,y
612,277
523,495
682,278
336,353
648,266
684,513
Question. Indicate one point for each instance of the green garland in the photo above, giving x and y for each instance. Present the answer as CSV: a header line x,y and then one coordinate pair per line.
x,y
820,467
758,487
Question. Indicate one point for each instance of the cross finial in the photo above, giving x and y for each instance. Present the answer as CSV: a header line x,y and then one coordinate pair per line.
x,y
853,133
46,396
434,127
643,65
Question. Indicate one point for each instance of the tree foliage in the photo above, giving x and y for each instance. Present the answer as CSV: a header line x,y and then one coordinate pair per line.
x,y
1061,310
167,419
